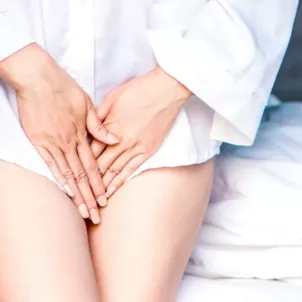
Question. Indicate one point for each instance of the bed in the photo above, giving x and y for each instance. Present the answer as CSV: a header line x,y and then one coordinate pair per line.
x,y
250,245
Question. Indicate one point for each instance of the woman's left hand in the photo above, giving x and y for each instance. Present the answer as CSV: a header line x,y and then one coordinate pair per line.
x,y
140,114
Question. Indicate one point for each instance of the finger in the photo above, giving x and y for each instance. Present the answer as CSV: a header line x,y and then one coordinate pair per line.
x,y
108,157
128,170
118,166
91,168
97,129
105,105
52,165
59,167
82,182
97,148
69,177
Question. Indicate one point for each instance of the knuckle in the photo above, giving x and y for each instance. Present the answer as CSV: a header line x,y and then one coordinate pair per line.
x,y
46,156
82,134
68,144
141,148
102,170
92,169
99,127
128,142
114,170
68,174
50,163
129,170
66,134
81,177
78,94
42,143
119,180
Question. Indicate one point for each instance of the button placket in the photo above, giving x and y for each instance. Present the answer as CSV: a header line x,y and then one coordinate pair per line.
x,y
81,39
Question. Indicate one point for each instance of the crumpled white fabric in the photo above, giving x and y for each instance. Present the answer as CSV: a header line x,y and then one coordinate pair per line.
x,y
226,52
253,226
194,289
180,148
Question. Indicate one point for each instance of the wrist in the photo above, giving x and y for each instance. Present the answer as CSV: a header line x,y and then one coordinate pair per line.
x,y
179,90
25,66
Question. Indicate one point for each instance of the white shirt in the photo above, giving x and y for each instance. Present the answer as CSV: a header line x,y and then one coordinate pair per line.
x,y
227,52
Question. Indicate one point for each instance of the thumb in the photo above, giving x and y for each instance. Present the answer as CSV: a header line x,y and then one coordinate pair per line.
x,y
104,107
97,129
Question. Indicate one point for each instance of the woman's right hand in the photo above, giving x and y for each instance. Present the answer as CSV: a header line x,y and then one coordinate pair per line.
x,y
55,114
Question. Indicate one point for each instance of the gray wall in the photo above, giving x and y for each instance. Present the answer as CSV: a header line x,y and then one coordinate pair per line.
x,y
289,82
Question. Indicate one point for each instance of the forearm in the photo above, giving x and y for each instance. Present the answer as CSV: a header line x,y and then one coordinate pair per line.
x,y
229,57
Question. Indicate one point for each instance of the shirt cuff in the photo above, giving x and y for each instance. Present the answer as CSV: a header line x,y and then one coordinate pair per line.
x,y
219,59
191,65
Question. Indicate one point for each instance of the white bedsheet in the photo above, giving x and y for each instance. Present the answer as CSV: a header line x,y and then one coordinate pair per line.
x,y
253,227
205,290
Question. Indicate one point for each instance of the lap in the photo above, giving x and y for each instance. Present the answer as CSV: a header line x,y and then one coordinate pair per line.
x,y
149,228
139,251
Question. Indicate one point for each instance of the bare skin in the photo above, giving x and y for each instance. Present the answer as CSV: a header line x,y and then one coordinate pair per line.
x,y
148,231
138,253
44,253
140,250
48,97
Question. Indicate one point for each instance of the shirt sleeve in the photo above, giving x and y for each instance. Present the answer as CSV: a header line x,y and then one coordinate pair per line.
x,y
228,56
15,31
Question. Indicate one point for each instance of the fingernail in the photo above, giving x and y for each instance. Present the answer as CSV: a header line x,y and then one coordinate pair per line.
x,y
83,211
102,201
112,138
95,216
68,190
110,191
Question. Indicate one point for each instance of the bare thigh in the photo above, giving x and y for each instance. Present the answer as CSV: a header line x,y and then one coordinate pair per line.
x,y
148,231
44,254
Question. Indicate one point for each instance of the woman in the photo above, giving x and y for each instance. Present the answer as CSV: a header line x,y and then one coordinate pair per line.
x,y
138,62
